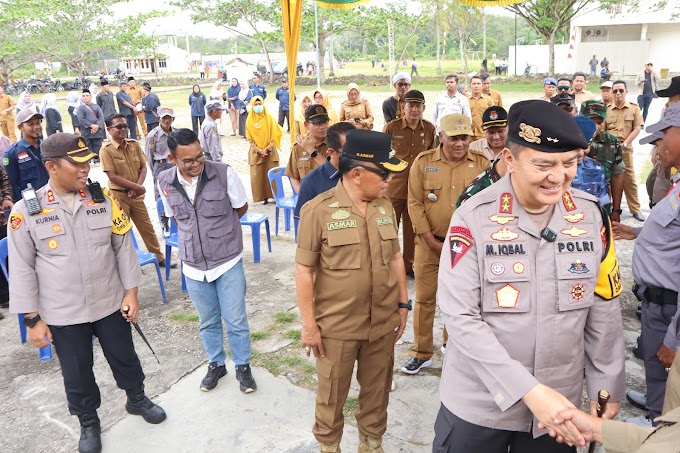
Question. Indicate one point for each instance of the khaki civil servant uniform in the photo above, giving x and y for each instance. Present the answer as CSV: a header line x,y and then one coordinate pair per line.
x,y
407,143
7,119
301,162
136,94
496,96
482,147
584,96
360,109
127,161
522,310
620,123
356,302
477,108
432,173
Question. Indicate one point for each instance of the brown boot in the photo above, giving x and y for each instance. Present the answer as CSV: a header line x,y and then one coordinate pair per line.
x,y
331,448
369,444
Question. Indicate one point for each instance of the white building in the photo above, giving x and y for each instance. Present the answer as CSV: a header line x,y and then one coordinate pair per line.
x,y
166,56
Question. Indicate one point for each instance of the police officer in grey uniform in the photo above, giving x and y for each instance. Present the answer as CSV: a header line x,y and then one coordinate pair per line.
x,y
66,300
528,286
657,277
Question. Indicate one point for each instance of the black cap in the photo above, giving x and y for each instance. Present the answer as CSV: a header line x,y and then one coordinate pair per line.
x,y
672,90
371,146
494,116
564,98
131,78
414,96
316,113
85,90
68,146
103,82
544,126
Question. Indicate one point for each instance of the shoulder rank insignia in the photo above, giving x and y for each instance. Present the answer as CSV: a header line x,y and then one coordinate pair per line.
x,y
568,201
50,196
335,204
505,204
83,194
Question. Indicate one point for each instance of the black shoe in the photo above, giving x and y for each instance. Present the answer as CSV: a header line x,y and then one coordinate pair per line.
x,y
638,311
214,374
411,274
245,378
172,266
90,434
415,364
139,404
637,352
4,304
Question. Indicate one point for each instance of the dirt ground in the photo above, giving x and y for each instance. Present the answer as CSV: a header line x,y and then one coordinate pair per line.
x,y
32,400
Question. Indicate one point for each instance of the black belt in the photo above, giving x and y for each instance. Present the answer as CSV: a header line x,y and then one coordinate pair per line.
x,y
660,296
439,238
120,190
161,161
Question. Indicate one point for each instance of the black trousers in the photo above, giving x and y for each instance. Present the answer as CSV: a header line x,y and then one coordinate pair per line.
x,y
196,122
151,126
284,115
454,435
132,125
94,144
74,349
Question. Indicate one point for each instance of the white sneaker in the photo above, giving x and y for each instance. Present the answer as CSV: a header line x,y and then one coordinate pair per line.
x,y
443,349
394,385
642,420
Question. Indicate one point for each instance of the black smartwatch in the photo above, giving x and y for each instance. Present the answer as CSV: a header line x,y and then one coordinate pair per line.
x,y
618,211
30,322
408,305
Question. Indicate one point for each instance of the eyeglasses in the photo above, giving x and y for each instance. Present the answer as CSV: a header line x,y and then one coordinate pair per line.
x,y
189,162
120,127
403,85
620,90
563,88
384,174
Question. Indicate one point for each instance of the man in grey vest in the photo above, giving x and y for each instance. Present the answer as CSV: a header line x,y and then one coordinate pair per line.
x,y
206,200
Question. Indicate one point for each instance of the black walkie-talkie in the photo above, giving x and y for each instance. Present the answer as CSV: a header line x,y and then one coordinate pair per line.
x,y
31,200
96,191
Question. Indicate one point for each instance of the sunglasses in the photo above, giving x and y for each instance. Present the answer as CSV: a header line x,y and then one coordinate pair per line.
x,y
384,174
620,90
120,127
403,85
563,88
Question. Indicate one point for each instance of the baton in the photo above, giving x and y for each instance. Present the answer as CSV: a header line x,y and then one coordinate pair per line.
x,y
126,310
602,399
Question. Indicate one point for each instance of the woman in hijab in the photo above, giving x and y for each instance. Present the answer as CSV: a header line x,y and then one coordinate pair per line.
x,y
245,95
355,109
49,110
197,102
264,135
300,129
25,102
217,93
73,102
232,96
321,97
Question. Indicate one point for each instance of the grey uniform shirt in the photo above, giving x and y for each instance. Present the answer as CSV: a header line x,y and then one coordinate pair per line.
x,y
656,256
156,147
70,267
210,140
521,310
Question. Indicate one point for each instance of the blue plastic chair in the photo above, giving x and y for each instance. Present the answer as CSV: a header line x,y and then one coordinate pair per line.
x,y
46,352
170,242
255,222
149,258
276,178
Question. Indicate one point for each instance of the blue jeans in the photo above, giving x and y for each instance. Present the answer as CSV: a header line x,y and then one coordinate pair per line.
x,y
644,102
223,298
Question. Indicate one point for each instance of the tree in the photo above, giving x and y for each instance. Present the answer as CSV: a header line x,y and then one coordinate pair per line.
x,y
464,22
256,21
548,17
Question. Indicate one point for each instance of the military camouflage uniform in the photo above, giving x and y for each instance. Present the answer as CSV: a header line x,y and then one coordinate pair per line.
x,y
481,182
606,149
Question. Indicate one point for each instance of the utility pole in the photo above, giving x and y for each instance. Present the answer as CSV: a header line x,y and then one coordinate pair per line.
x,y
483,33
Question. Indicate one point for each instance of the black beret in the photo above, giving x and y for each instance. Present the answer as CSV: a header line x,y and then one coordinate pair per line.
x,y
544,126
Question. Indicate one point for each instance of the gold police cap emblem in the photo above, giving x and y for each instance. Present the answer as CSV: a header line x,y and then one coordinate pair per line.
x,y
319,109
81,143
530,133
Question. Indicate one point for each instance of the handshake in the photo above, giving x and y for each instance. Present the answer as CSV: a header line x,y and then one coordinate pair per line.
x,y
566,423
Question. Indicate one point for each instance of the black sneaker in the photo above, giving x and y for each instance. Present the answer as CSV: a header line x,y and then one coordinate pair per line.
x,y
414,365
214,374
245,378
90,434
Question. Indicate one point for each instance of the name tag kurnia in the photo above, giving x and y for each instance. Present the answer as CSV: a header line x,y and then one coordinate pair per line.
x,y
340,225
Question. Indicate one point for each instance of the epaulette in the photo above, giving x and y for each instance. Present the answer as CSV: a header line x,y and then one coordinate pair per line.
x,y
581,194
323,196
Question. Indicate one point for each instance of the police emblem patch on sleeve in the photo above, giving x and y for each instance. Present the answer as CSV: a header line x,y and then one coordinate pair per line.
x,y
460,241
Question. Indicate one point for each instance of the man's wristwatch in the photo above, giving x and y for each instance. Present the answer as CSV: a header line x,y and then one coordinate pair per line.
x,y
618,211
314,154
30,322
408,305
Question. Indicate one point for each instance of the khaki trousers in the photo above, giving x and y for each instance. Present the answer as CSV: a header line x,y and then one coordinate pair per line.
x,y
136,210
630,185
8,128
374,373
426,268
141,119
408,248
